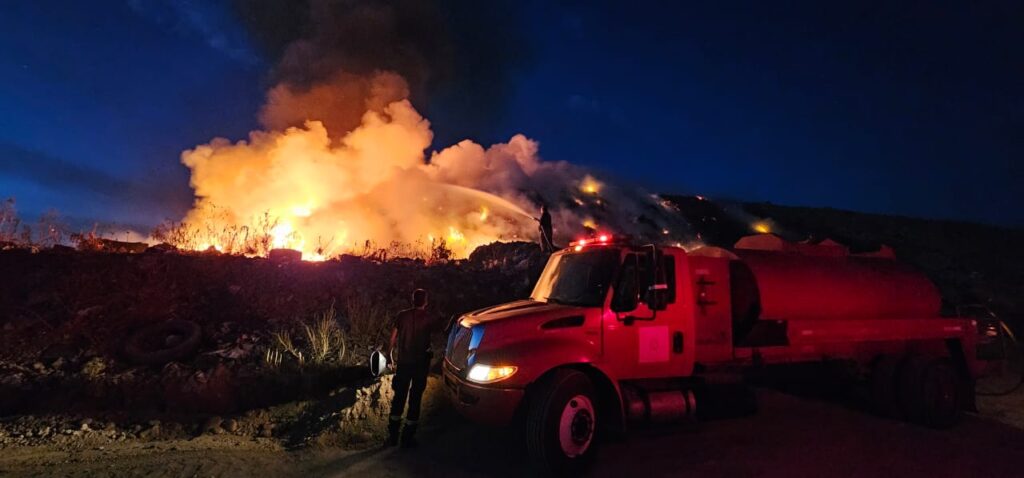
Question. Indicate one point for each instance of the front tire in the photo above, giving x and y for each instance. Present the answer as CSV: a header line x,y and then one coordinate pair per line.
x,y
561,423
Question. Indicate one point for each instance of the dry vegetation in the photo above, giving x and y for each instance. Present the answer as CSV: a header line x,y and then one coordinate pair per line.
x,y
222,232
323,342
47,231
255,239
218,233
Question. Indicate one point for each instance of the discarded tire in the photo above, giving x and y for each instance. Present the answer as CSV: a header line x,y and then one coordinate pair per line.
x,y
170,341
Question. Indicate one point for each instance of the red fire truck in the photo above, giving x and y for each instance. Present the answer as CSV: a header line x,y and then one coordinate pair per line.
x,y
616,333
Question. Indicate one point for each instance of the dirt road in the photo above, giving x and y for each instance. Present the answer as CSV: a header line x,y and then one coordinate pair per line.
x,y
789,437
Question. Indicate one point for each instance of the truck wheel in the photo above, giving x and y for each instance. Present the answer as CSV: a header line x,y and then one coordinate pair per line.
x,y
561,423
941,395
885,386
911,375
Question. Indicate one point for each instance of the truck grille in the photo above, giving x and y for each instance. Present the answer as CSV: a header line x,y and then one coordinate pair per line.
x,y
457,353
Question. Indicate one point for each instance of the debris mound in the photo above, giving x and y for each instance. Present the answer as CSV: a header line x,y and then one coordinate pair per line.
x,y
508,256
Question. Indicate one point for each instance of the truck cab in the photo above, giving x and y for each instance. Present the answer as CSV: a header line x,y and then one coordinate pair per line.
x,y
615,333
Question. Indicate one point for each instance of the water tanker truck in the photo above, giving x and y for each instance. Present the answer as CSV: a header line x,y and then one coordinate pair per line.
x,y
616,334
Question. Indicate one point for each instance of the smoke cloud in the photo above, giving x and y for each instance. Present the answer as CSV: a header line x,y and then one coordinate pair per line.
x,y
463,51
342,161
339,102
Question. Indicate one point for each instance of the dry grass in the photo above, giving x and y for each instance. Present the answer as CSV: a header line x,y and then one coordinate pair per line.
x,y
287,345
253,239
440,253
323,342
10,224
323,337
368,320
48,231
273,357
220,228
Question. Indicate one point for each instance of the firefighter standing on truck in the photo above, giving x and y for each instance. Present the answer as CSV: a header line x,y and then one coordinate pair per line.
x,y
546,231
410,341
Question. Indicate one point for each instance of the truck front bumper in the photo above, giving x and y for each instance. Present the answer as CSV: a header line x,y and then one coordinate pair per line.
x,y
487,405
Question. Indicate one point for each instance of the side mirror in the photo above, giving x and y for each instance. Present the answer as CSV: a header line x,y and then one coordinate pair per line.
x,y
627,293
657,293
656,297
624,301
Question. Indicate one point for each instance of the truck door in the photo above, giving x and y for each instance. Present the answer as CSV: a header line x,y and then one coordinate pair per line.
x,y
644,330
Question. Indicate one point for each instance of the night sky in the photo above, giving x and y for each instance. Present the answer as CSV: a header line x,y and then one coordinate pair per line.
x,y
890,107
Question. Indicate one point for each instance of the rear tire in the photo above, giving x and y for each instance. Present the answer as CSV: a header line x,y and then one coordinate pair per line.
x,y
931,392
561,423
911,375
885,386
941,395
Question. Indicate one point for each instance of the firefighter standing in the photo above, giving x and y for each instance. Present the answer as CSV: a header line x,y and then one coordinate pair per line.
x,y
410,340
546,244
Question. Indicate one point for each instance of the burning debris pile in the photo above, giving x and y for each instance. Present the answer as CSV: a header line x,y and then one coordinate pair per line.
x,y
324,191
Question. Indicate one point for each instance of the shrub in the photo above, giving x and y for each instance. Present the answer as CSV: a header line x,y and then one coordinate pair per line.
x,y
368,320
323,342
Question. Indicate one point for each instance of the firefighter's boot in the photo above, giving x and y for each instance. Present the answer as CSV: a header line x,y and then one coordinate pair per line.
x,y
409,435
394,425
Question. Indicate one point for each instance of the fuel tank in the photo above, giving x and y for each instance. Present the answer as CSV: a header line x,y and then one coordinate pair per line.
x,y
820,282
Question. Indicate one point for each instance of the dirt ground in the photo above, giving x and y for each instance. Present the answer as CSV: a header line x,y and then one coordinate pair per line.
x,y
788,437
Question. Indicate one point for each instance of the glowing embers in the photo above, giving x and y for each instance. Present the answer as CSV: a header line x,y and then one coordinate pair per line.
x,y
589,185
761,227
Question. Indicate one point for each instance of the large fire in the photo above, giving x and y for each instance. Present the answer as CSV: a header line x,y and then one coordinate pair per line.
x,y
326,191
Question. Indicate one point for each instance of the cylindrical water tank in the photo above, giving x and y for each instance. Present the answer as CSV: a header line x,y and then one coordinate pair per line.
x,y
794,285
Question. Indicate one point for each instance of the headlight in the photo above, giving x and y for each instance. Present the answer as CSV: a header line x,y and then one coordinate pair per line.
x,y
481,373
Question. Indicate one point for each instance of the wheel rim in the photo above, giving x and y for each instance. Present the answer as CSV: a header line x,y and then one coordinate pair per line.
x,y
576,426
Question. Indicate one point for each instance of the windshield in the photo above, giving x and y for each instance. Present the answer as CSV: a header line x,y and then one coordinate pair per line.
x,y
577,279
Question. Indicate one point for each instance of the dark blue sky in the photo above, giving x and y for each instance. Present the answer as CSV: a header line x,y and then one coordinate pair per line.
x,y
906,109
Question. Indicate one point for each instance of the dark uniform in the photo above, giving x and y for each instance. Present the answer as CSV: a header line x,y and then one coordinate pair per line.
x,y
546,231
412,348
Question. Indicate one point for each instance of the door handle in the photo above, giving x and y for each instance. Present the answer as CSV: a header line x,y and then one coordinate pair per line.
x,y
677,342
